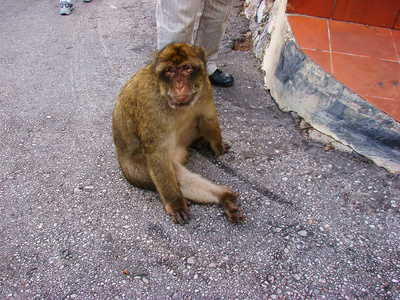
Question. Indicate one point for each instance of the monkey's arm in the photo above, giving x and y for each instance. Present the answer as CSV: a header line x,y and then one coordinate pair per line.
x,y
211,132
163,175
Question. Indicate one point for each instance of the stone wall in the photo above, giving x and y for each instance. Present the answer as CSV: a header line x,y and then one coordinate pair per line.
x,y
300,85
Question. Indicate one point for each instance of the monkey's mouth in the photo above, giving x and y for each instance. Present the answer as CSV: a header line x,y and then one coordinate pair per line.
x,y
181,102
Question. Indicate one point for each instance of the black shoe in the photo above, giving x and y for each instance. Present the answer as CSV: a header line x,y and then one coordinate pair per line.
x,y
220,78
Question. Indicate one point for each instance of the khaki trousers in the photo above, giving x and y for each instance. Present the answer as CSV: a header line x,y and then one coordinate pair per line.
x,y
199,22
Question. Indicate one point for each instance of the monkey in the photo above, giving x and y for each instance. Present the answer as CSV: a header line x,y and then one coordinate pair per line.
x,y
165,108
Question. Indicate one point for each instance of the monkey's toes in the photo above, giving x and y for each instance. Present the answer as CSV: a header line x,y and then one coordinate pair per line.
x,y
235,215
226,146
181,217
233,212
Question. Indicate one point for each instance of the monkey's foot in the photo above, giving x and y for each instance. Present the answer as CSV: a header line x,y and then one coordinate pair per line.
x,y
228,202
201,144
220,148
181,217
178,210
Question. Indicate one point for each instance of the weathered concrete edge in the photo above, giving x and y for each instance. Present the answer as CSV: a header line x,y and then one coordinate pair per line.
x,y
298,84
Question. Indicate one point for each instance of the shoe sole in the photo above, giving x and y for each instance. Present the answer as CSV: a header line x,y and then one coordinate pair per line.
x,y
222,85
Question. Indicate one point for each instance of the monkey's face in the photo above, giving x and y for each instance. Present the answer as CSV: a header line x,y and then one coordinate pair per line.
x,y
180,72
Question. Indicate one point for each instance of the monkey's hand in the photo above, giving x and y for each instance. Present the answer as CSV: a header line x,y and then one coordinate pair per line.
x,y
178,209
220,148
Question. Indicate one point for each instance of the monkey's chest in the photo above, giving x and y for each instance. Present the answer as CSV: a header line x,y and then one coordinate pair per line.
x,y
187,132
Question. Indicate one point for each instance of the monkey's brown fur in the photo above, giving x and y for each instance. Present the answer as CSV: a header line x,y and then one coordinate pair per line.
x,y
159,113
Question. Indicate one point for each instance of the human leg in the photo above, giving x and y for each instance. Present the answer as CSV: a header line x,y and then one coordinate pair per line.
x,y
175,21
211,27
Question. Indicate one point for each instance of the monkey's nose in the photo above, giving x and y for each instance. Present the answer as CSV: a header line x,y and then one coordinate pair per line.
x,y
180,86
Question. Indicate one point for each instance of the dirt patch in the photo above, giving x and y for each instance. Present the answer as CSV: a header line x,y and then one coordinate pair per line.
x,y
245,43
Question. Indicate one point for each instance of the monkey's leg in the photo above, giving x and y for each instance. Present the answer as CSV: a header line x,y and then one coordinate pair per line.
x,y
211,132
198,189
134,168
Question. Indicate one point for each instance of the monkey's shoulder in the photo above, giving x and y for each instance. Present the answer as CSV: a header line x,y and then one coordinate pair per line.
x,y
143,80
140,87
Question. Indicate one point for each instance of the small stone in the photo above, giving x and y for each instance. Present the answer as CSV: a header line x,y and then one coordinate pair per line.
x,y
52,260
265,283
304,125
212,265
302,233
339,146
191,260
88,187
319,136
296,277
175,296
271,279
145,280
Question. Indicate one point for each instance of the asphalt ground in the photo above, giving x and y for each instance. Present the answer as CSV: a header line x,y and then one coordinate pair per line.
x,y
320,223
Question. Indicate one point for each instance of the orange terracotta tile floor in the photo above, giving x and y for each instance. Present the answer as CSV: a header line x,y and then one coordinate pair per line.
x,y
364,58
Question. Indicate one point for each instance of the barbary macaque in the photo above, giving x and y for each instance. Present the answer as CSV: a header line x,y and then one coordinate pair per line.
x,y
161,111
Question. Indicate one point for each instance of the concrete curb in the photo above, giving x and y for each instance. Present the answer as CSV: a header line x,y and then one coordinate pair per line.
x,y
300,85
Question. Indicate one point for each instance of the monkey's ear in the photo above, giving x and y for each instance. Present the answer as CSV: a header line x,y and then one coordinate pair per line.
x,y
201,51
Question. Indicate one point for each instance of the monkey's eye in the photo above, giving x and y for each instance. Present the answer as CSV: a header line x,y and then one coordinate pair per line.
x,y
187,69
170,70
